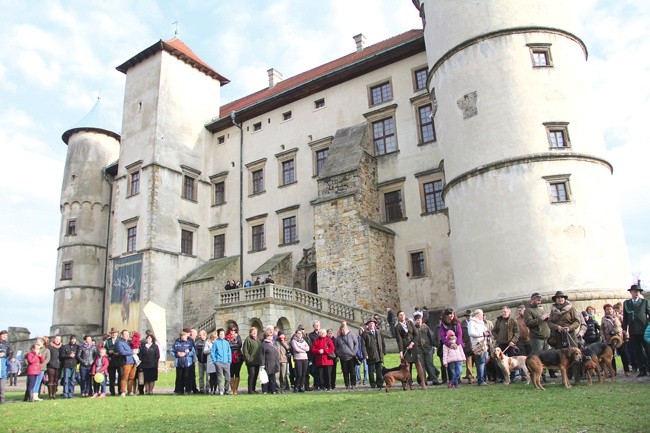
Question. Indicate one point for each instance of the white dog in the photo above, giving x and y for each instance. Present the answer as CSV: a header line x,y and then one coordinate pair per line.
x,y
511,363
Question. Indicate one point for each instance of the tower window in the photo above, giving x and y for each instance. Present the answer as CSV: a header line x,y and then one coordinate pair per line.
x,y
558,135
425,121
71,229
559,188
66,271
540,54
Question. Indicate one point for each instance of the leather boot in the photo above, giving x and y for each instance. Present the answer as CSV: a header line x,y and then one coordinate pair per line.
x,y
234,385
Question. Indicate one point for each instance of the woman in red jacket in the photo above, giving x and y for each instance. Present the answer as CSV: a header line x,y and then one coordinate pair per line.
x,y
323,351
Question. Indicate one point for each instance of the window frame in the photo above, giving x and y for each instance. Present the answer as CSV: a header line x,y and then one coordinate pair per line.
x,y
67,270
255,167
216,236
287,115
551,184
431,176
187,242
380,86
416,71
429,121
322,144
319,104
384,136
257,126
131,238
554,128
387,188
285,158
291,229
258,240
422,260
71,227
540,48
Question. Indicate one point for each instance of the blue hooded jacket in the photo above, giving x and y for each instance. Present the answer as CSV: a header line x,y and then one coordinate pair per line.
x,y
221,351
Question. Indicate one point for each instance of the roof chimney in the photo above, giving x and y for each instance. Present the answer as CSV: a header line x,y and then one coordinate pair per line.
x,y
275,77
360,39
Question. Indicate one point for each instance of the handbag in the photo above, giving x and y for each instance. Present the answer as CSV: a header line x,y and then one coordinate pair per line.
x,y
264,376
479,348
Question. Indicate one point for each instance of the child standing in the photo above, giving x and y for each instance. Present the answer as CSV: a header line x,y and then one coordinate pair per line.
x,y
453,358
34,361
100,366
13,370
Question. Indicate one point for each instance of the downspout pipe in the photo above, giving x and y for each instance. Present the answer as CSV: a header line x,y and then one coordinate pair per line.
x,y
241,196
108,236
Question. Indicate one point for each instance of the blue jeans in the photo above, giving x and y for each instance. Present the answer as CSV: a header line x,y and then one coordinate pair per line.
x,y
37,386
480,368
86,379
456,369
68,382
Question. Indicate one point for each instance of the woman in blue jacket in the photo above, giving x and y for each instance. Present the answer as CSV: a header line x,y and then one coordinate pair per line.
x,y
220,355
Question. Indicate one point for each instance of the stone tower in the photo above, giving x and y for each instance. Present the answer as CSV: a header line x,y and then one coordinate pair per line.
x,y
528,190
162,187
85,215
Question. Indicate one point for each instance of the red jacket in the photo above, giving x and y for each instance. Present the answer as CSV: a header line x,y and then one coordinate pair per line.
x,y
103,368
34,362
321,359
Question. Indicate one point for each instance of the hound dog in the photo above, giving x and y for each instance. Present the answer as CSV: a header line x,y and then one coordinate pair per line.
x,y
511,363
591,365
402,375
603,355
560,359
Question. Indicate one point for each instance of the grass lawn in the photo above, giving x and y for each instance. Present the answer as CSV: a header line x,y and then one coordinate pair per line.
x,y
618,407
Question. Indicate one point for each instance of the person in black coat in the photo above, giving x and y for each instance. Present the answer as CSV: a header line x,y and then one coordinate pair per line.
x,y
407,337
270,359
149,357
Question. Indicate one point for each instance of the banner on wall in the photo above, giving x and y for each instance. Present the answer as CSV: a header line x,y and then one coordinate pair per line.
x,y
124,309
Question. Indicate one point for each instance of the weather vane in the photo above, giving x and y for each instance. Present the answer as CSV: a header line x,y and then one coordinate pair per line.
x,y
175,23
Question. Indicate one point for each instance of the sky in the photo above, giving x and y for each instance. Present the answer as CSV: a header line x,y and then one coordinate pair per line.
x,y
57,57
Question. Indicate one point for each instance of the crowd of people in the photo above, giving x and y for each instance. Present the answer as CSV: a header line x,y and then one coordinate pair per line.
x,y
127,365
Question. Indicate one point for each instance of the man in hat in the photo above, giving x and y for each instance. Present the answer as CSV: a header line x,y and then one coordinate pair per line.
x,y
373,348
115,361
537,322
636,314
425,347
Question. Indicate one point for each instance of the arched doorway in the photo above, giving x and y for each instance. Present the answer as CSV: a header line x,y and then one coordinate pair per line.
x,y
313,283
284,326
257,323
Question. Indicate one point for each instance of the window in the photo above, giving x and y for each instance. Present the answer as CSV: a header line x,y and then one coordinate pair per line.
x,y
420,78
319,103
257,126
220,193
288,172
219,246
321,157
258,181
559,192
433,196
286,116
558,135
187,240
257,233
221,139
383,133
66,271
189,187
393,206
71,229
559,188
425,121
131,234
134,183
540,55
289,235
381,93
417,264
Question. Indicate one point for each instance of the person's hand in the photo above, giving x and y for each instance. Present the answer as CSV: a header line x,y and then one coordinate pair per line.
x,y
401,355
511,344
444,365
454,346
321,351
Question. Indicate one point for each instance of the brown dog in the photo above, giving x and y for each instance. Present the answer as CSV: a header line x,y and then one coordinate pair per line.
x,y
560,359
604,356
402,375
511,363
591,365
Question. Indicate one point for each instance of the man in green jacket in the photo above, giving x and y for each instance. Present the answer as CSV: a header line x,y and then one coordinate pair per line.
x,y
636,314
373,347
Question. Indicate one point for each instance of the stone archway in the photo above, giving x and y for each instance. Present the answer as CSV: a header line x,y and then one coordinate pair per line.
x,y
257,323
284,325
313,283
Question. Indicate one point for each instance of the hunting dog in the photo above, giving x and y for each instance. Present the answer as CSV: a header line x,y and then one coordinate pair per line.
x,y
402,375
598,358
560,359
511,363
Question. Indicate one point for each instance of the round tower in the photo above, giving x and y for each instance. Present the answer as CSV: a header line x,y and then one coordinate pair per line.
x,y
85,218
530,199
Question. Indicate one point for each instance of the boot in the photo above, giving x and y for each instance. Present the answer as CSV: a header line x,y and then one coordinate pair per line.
x,y
423,377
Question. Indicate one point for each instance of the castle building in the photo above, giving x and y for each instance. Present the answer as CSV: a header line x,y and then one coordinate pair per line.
x,y
451,166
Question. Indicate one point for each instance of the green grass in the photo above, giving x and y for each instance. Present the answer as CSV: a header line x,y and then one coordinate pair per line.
x,y
620,407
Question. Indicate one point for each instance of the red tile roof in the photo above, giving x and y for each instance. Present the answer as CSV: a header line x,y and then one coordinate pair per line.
x,y
176,48
319,71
